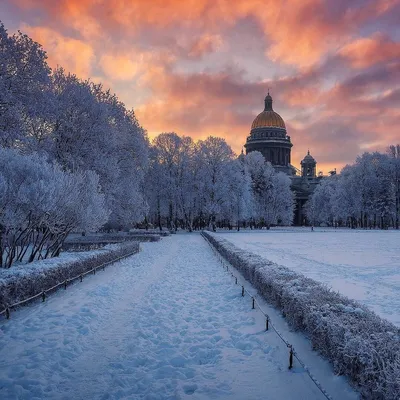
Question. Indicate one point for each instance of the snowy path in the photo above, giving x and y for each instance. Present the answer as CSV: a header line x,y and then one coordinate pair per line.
x,y
167,323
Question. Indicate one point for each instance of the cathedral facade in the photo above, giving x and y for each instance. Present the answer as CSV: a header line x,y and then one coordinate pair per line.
x,y
268,135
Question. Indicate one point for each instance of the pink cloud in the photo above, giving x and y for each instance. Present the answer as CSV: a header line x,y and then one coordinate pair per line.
x,y
175,63
119,67
74,55
365,52
205,44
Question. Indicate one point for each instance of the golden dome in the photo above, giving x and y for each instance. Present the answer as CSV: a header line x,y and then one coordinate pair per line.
x,y
268,119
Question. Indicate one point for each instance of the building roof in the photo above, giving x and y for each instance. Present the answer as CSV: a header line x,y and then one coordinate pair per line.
x,y
268,118
308,159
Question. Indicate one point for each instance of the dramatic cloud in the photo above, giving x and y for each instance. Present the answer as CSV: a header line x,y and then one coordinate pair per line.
x,y
74,55
119,67
365,52
203,67
205,44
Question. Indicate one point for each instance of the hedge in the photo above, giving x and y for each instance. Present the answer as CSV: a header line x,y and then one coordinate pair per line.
x,y
359,344
22,282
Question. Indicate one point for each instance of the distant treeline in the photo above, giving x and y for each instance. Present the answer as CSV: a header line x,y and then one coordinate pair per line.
x,y
365,194
197,185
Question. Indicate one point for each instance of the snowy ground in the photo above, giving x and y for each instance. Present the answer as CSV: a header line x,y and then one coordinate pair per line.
x,y
363,265
22,269
167,323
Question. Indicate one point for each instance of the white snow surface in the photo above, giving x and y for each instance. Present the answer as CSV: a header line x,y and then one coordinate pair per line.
x,y
167,323
22,269
364,265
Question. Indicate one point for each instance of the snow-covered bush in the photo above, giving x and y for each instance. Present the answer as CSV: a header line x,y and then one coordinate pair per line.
x,y
22,282
40,205
148,232
359,343
85,243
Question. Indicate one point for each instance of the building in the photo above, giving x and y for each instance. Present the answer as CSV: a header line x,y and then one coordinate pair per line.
x,y
268,135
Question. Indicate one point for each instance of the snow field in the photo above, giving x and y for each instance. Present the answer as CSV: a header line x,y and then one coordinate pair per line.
x,y
167,323
362,265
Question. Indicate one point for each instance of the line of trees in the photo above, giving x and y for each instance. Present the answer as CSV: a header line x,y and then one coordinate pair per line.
x,y
72,156
201,184
365,194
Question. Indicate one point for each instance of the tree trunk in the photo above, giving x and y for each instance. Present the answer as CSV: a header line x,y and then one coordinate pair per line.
x,y
159,213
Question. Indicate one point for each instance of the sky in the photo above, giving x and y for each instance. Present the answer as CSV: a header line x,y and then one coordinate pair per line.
x,y
203,67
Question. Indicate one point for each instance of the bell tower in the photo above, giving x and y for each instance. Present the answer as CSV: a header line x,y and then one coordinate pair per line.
x,y
308,166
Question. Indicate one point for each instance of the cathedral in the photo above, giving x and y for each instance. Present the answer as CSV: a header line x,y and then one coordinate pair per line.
x,y
268,135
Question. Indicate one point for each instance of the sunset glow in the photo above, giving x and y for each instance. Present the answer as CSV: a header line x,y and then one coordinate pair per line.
x,y
202,67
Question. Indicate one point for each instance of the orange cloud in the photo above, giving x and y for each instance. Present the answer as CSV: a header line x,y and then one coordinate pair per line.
x,y
304,96
205,44
365,52
74,55
302,31
328,87
298,32
119,67
130,15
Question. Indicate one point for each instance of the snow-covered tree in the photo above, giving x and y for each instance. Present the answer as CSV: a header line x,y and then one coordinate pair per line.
x,y
93,131
319,208
282,200
239,201
24,88
213,154
187,183
394,155
363,195
40,205
272,196
167,152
